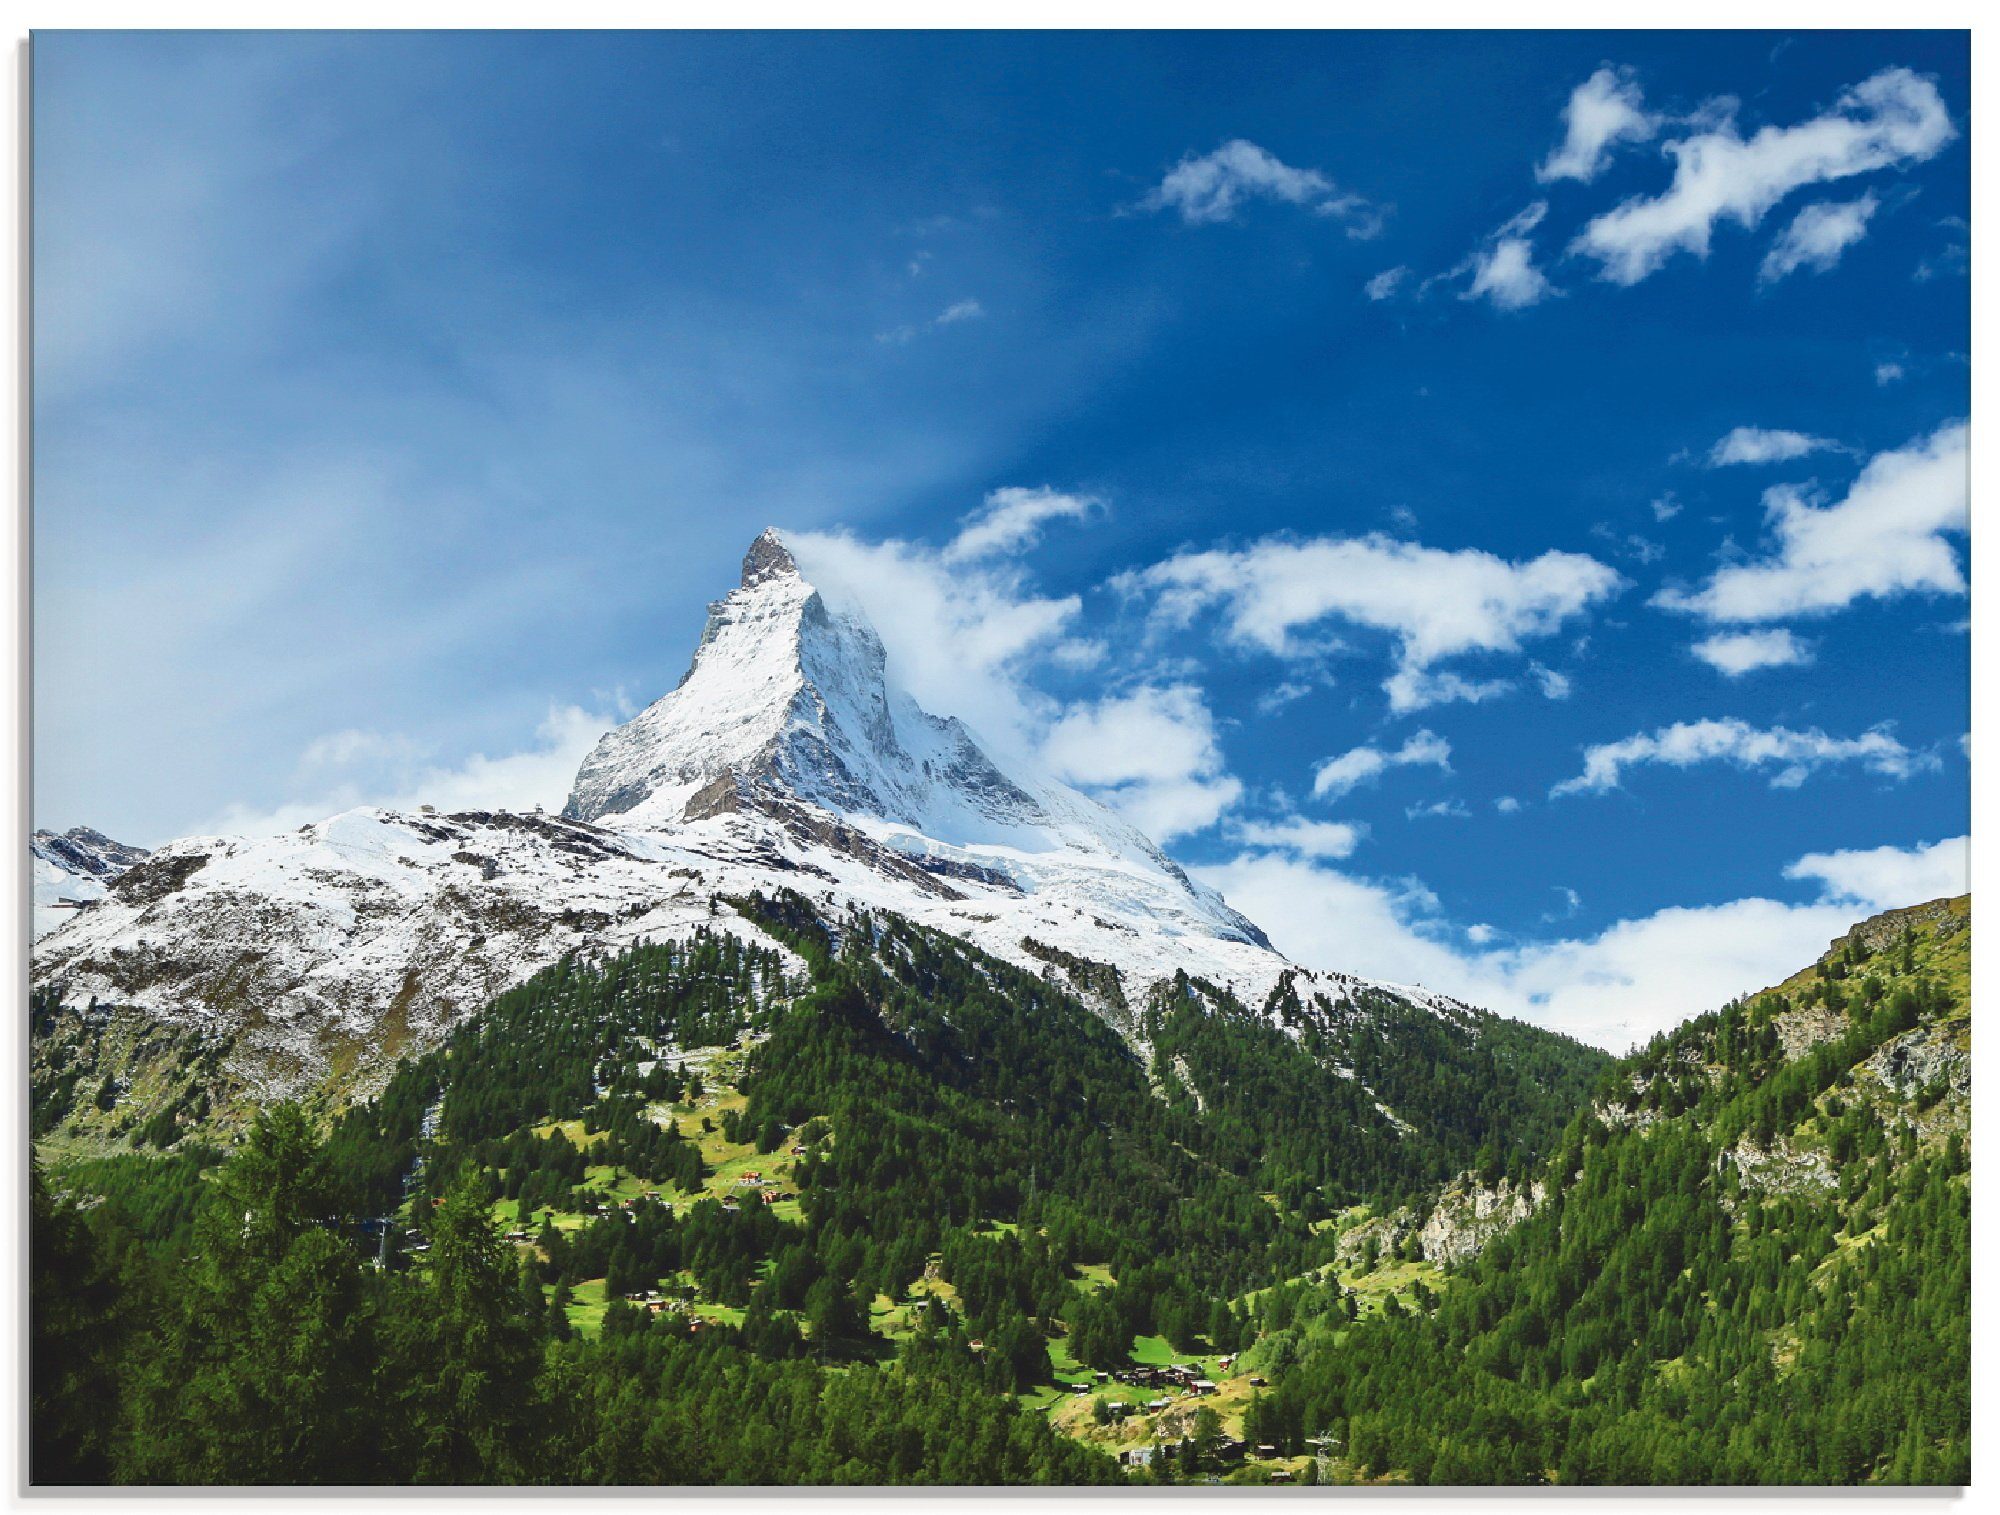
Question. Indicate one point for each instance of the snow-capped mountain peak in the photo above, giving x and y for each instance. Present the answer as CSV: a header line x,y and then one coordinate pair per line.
x,y
781,690
790,702
786,757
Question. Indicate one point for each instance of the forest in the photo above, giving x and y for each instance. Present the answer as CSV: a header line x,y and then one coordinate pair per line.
x,y
913,1215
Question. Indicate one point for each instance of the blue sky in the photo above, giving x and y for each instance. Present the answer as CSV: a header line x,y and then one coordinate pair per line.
x,y
401,400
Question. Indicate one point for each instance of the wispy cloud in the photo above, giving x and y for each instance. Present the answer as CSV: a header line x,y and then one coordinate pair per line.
x,y
1332,840
1795,755
1214,186
1607,109
1759,444
1504,271
398,772
1360,765
1449,809
1954,257
1013,518
955,314
1817,237
1385,284
1892,119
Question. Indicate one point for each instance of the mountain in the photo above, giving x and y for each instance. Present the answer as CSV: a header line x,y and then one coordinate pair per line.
x,y
72,868
1748,1260
786,756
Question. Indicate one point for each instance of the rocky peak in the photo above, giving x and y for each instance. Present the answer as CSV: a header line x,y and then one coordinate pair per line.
x,y
767,558
84,852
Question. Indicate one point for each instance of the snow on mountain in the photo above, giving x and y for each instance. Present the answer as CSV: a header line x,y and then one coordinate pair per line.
x,y
71,869
787,702
786,757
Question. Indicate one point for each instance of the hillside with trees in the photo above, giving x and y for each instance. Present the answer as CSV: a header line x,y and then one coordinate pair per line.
x,y
1754,1264
868,1206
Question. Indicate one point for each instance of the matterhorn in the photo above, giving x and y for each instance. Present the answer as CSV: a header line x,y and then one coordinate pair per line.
x,y
787,757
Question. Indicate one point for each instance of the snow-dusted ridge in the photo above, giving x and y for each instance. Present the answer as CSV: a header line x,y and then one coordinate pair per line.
x,y
786,757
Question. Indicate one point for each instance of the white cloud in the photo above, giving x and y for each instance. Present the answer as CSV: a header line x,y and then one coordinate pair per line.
x,y
1760,444
1452,809
348,768
1888,372
1603,111
1666,508
347,749
1615,988
1735,653
1437,604
1887,537
1817,237
1554,685
958,635
1332,840
1012,519
1386,283
962,630
1279,695
1884,877
1795,754
1503,269
1953,258
1214,186
1419,689
951,315
1507,804
1894,118
1151,754
1336,775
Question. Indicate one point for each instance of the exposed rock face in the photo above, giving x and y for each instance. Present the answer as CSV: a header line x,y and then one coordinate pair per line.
x,y
1468,1215
1920,1060
1783,1167
85,853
